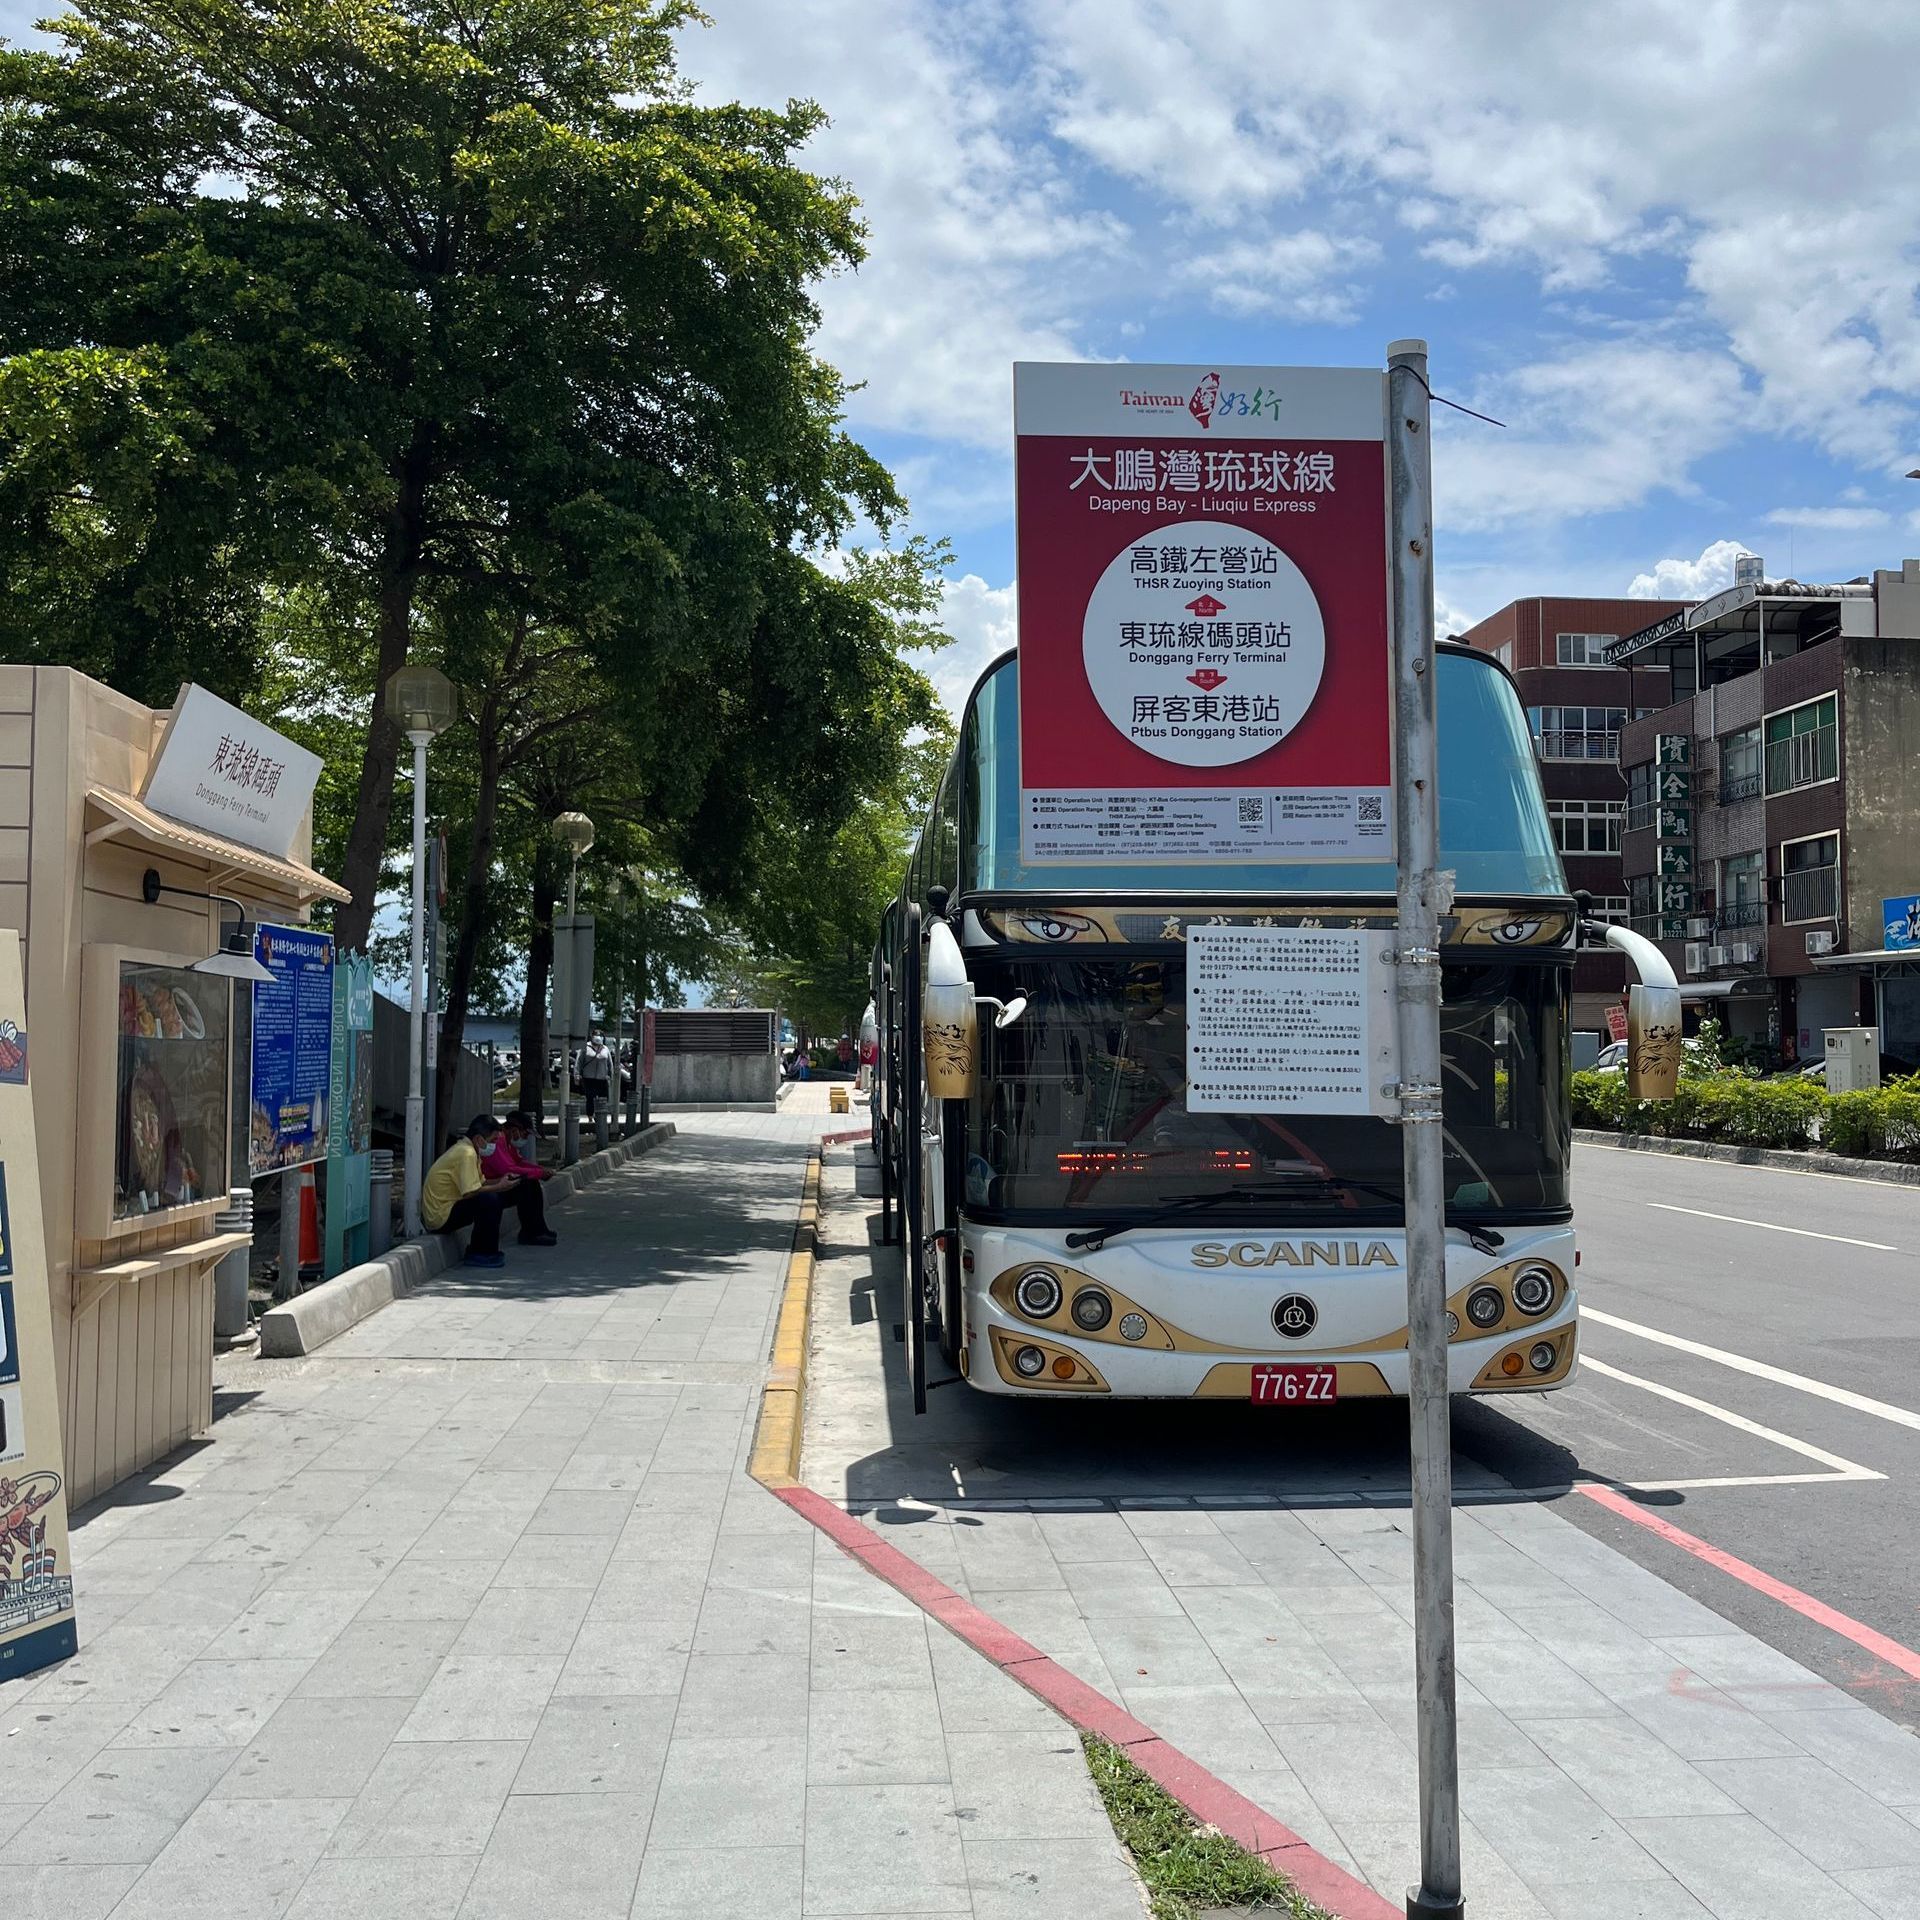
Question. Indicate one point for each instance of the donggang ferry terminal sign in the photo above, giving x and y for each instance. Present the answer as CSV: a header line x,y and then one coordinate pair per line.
x,y
1204,669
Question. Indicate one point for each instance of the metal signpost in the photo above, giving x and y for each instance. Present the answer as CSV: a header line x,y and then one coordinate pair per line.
x,y
1424,895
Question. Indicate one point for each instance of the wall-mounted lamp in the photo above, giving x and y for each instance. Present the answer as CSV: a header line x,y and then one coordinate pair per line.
x,y
235,959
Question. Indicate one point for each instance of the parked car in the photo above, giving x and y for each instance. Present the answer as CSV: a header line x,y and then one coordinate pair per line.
x,y
1612,1058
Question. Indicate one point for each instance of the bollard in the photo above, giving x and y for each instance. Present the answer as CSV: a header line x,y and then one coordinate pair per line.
x,y
600,1128
569,1132
230,1317
379,1202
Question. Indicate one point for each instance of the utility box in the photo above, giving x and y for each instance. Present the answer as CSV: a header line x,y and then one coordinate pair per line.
x,y
1853,1059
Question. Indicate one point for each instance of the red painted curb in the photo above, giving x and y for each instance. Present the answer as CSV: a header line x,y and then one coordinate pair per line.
x,y
841,1139
1209,1799
1862,1635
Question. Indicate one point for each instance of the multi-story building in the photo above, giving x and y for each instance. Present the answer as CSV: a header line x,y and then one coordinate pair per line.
x,y
1578,703
1773,817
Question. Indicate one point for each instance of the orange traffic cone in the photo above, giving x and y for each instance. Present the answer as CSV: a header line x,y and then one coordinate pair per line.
x,y
309,1220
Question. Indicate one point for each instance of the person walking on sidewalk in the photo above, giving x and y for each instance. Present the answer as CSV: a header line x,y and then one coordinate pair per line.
x,y
456,1194
596,1072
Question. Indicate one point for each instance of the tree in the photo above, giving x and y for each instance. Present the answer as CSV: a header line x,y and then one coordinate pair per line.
x,y
416,295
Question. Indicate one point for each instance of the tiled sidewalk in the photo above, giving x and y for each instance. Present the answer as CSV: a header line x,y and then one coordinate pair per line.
x,y
1627,1753
475,1613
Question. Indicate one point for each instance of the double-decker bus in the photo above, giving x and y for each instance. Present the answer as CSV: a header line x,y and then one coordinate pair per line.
x,y
1070,1226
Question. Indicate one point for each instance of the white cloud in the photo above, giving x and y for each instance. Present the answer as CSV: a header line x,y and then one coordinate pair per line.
x,y
983,622
1689,579
1305,275
1598,429
1830,519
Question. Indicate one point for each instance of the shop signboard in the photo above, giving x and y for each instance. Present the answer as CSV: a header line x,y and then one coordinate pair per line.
x,y
225,772
290,1084
1616,1022
1676,861
350,1101
1901,918
36,1567
1673,750
1204,669
1674,823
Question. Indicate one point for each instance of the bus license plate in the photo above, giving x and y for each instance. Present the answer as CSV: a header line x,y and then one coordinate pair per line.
x,y
1277,1386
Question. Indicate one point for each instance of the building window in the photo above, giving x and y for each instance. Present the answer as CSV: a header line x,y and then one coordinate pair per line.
x,y
1803,745
1810,878
1582,649
1743,890
1504,654
1613,908
1643,903
1739,765
1643,799
1577,733
1586,826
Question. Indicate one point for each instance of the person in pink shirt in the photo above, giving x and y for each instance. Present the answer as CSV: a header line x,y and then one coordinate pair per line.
x,y
513,1156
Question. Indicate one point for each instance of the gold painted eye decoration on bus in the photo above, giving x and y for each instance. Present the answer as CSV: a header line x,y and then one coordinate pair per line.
x,y
1516,933
1055,927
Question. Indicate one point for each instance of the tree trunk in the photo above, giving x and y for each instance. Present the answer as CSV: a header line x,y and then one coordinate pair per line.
x,y
533,1007
373,805
473,910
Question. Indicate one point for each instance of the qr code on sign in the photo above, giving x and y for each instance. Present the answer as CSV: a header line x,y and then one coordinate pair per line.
x,y
1370,807
1252,810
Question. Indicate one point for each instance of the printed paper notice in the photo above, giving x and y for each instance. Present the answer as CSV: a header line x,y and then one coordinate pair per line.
x,y
1289,1020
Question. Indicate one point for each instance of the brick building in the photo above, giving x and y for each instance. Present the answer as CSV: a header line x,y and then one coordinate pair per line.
x,y
1578,704
1772,809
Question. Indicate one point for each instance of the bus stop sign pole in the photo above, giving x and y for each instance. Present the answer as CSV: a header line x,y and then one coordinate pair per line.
x,y
1423,895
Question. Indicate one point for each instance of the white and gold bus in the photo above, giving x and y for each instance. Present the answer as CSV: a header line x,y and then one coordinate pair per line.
x,y
1073,1228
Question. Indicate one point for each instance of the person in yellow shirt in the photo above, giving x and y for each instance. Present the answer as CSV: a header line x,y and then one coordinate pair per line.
x,y
456,1194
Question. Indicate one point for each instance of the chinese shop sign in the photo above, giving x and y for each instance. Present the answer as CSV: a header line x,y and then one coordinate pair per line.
x,y
225,772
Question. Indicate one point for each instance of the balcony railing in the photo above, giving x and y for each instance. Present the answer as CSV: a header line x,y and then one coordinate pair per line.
x,y
1811,894
1803,760
1742,913
1742,786
1579,746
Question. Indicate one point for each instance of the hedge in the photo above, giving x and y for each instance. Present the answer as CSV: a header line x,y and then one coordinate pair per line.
x,y
1881,1124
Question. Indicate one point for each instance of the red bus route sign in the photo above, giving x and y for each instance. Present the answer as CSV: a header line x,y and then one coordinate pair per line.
x,y
1204,669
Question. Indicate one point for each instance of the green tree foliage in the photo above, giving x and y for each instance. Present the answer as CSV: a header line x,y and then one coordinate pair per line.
x,y
438,306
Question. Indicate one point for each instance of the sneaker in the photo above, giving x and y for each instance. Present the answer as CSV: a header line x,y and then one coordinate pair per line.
x,y
539,1239
486,1260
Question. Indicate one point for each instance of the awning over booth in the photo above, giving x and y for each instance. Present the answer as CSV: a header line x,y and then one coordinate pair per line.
x,y
1890,958
126,818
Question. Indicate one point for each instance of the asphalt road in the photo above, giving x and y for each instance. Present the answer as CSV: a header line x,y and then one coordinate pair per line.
x,y
1726,1308
1814,1278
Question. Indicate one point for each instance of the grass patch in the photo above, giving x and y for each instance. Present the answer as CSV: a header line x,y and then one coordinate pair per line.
x,y
1187,1867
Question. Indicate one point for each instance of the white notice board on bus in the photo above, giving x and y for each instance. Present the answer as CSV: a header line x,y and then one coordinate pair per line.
x,y
1290,1020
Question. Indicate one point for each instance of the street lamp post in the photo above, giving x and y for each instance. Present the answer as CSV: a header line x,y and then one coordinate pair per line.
x,y
574,831
420,702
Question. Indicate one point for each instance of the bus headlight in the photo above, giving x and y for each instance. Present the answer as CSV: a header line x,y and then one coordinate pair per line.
x,y
1486,1306
1133,1326
1533,1289
1038,1293
1030,1361
1091,1309
1541,1356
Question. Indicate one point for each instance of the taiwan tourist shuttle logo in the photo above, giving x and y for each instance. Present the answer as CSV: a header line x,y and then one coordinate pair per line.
x,y
1219,669
1200,403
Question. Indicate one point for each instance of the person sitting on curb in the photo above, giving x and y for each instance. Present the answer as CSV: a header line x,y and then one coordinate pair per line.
x,y
457,1194
514,1157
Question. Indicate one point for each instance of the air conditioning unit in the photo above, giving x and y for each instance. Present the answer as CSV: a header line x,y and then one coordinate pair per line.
x,y
1820,943
1743,953
1717,956
1696,955
1700,926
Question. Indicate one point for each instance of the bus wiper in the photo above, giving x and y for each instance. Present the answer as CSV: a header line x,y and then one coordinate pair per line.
x,y
1177,1208
1482,1239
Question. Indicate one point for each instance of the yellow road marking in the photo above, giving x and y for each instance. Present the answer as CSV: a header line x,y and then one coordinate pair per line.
x,y
783,1400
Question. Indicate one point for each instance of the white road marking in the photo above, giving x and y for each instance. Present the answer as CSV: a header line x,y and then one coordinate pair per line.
x,y
1772,1226
1843,1469
1800,1382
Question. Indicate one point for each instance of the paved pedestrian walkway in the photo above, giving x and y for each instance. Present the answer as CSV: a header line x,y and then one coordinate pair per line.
x,y
475,1613
1244,1588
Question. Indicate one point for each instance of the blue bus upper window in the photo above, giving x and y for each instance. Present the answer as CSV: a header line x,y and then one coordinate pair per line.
x,y
1493,820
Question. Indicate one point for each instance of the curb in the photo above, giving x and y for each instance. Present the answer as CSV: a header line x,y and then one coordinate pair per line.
x,y
776,1465
783,1400
306,1323
1837,1166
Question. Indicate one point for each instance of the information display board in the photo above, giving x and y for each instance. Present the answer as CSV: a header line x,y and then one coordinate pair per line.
x,y
1204,667
289,1085
1290,1020
36,1568
350,1131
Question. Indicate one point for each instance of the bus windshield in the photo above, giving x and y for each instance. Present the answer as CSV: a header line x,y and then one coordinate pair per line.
x,y
1081,1110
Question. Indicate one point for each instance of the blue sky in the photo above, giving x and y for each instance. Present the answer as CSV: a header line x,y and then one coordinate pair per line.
x,y
1673,243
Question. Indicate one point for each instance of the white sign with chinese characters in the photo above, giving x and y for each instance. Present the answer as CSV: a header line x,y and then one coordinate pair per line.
x,y
225,772
1290,1020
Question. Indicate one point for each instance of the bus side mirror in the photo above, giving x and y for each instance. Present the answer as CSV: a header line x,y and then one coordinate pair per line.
x,y
1010,1010
1653,1014
949,1023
